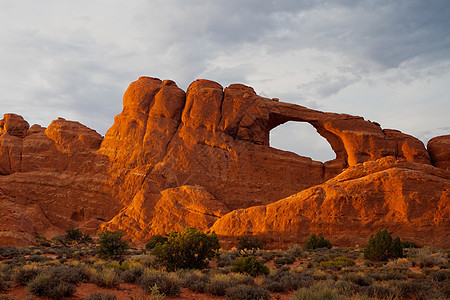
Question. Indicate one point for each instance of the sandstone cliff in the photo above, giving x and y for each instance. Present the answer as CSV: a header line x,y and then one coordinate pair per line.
x,y
202,157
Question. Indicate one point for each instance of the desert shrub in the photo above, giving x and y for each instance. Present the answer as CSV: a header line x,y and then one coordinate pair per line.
x,y
382,247
408,244
248,243
9,252
100,296
73,234
68,274
384,276
188,249
194,281
111,245
132,275
270,255
405,289
247,292
426,257
314,242
250,265
285,260
296,250
440,276
343,287
316,292
282,282
379,291
225,259
399,263
340,261
38,258
168,285
47,285
219,284
107,278
319,275
155,294
25,275
157,239
361,279
145,260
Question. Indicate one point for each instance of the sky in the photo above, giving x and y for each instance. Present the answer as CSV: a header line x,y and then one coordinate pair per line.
x,y
387,61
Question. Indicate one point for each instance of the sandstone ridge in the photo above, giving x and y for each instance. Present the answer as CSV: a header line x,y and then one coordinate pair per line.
x,y
202,158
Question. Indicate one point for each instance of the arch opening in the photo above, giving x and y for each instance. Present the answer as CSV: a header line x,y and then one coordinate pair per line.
x,y
303,139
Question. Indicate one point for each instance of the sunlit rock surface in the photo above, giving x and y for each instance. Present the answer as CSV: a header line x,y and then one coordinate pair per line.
x,y
202,157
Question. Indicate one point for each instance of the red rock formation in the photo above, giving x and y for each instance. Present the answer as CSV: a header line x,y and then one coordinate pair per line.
x,y
174,159
411,200
53,179
439,148
219,139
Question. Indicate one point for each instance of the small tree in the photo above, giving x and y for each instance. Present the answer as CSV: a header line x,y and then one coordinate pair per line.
x,y
188,249
314,242
111,245
250,265
73,234
382,247
248,243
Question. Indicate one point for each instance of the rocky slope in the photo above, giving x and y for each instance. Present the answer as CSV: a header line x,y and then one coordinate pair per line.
x,y
202,157
411,200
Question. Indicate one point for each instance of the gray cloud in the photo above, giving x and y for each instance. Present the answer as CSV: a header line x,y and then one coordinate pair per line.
x,y
75,58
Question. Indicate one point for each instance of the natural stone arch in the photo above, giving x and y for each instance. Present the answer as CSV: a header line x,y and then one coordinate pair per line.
x,y
336,143
301,144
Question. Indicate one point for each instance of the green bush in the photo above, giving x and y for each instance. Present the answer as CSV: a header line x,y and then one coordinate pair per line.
x,y
250,265
219,284
382,247
107,278
296,250
73,234
248,243
111,245
47,285
314,242
282,282
287,259
361,279
193,280
188,249
132,275
157,239
166,284
25,275
428,257
408,244
247,292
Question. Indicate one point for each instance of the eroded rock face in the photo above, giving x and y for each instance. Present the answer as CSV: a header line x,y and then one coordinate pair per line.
x,y
411,200
53,179
439,148
202,157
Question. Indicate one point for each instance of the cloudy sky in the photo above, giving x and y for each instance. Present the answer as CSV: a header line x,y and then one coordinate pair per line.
x,y
387,61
